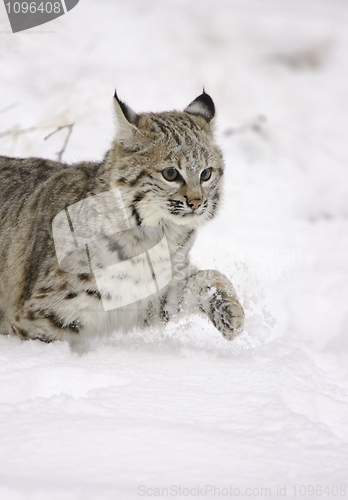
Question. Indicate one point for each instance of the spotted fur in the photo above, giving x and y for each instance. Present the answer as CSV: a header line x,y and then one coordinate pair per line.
x,y
40,300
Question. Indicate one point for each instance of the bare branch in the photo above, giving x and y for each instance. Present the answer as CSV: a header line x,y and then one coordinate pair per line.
x,y
18,131
62,151
8,108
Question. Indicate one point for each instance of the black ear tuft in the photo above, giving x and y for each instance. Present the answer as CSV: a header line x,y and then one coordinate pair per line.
x,y
128,113
202,106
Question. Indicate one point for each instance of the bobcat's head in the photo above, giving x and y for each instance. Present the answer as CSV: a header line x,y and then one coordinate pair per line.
x,y
167,164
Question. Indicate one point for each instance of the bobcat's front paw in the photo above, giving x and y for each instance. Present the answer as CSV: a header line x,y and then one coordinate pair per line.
x,y
226,313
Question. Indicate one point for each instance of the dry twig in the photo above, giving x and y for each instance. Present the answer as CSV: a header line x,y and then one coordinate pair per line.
x,y
62,151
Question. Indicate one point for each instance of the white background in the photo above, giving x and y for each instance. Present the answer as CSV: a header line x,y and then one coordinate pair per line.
x,y
183,406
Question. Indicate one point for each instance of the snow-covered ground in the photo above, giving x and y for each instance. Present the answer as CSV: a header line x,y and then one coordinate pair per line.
x,y
183,408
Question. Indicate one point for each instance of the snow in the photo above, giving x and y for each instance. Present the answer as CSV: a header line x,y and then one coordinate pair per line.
x,y
183,407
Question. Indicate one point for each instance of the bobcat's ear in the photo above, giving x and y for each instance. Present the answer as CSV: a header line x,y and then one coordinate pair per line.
x,y
127,122
202,106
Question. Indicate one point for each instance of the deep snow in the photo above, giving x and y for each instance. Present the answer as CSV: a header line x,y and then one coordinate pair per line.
x,y
182,406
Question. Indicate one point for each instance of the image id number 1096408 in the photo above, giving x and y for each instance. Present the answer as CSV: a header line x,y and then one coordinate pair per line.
x,y
34,7
318,491
24,15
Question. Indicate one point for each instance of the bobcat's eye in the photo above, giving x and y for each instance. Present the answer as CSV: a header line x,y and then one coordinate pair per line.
x,y
170,174
206,174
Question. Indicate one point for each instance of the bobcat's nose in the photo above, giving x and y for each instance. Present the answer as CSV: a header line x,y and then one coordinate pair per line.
x,y
195,203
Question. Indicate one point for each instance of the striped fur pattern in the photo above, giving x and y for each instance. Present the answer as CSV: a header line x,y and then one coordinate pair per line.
x,y
169,172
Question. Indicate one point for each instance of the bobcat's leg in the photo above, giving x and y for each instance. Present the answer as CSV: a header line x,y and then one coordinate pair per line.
x,y
43,325
212,293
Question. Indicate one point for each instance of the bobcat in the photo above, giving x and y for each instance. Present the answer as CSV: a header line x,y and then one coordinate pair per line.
x,y
130,221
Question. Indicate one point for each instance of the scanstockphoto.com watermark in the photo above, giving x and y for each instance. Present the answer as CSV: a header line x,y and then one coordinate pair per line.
x,y
211,490
86,240
24,15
